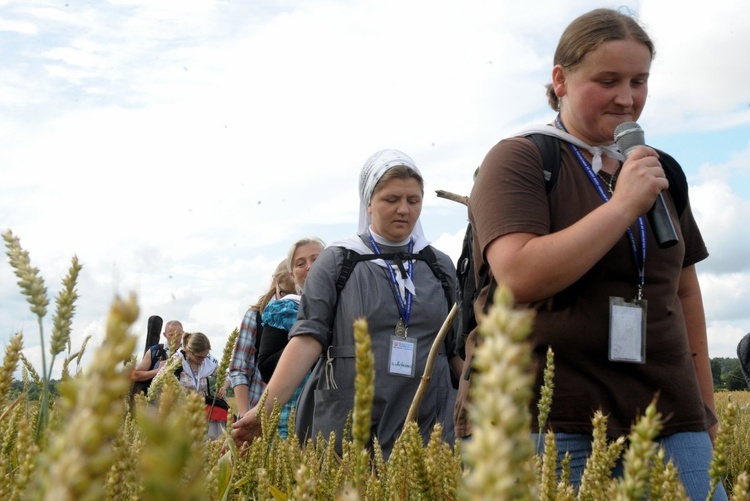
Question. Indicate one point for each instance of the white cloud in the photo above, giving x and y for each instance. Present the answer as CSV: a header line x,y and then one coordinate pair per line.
x,y
179,151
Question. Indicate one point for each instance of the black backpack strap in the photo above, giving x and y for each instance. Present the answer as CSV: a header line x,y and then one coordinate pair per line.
x,y
431,259
179,369
678,185
158,353
258,331
351,259
427,255
549,147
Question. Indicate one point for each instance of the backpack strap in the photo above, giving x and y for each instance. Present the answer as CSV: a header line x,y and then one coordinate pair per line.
x,y
258,331
549,147
158,353
431,260
678,185
427,255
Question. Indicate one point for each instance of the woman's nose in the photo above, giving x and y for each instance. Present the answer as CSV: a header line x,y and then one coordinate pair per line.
x,y
624,96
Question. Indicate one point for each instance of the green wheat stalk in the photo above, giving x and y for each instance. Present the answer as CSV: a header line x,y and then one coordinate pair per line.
x,y
63,317
639,455
32,286
500,454
364,392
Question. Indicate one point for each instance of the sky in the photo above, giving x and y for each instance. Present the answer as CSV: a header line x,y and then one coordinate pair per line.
x,y
178,148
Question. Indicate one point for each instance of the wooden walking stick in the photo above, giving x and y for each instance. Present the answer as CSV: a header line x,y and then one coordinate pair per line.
x,y
427,375
435,349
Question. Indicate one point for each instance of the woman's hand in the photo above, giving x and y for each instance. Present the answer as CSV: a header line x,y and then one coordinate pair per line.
x,y
246,428
640,181
222,392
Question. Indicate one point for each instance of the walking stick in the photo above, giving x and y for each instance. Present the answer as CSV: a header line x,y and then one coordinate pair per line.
x,y
427,375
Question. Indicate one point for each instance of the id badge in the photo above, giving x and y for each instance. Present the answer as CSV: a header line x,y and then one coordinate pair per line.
x,y
627,330
402,358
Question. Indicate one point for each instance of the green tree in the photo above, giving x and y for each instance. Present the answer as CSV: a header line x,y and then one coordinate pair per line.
x,y
716,372
734,379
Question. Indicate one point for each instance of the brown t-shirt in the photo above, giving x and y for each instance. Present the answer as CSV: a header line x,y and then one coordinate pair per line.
x,y
509,196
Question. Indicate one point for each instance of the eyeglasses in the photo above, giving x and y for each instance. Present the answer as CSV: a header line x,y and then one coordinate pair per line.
x,y
199,357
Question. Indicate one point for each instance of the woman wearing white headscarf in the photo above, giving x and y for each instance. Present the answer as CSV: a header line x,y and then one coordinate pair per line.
x,y
404,302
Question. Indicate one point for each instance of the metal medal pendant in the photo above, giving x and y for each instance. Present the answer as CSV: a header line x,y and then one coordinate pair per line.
x,y
400,328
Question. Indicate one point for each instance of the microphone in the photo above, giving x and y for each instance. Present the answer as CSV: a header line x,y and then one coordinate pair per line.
x,y
628,136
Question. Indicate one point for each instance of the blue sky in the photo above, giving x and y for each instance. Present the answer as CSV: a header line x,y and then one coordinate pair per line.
x,y
179,148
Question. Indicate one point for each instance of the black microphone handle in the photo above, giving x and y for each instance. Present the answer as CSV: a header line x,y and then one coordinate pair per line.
x,y
661,224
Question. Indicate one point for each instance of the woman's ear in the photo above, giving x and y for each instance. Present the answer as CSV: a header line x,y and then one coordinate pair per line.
x,y
559,80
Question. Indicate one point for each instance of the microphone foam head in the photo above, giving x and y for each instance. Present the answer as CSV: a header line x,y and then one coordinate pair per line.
x,y
629,135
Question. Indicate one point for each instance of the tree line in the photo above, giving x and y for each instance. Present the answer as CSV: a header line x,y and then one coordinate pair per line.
x,y
727,374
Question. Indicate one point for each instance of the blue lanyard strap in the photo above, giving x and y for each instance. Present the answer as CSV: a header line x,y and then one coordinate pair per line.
x,y
404,304
639,263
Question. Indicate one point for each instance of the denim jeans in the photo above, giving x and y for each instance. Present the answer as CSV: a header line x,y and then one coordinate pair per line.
x,y
690,452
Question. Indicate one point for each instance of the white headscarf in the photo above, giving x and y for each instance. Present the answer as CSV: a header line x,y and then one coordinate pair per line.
x,y
372,171
375,166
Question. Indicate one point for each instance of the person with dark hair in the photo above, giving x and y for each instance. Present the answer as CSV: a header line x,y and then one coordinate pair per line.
x,y
623,316
389,274
244,374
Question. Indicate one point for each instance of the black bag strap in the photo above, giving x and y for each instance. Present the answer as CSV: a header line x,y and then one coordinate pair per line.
x,y
549,147
432,262
258,330
158,353
427,255
678,185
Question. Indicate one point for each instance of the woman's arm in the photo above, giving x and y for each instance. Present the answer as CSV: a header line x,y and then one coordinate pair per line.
x,y
298,357
143,371
242,359
689,292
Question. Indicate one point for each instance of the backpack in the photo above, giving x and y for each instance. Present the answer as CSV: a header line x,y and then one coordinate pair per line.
x,y
467,287
743,354
158,353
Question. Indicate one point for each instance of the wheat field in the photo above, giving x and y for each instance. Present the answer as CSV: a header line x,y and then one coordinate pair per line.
x,y
90,443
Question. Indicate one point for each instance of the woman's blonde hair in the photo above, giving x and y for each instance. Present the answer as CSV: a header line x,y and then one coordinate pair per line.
x,y
296,245
196,342
281,277
587,32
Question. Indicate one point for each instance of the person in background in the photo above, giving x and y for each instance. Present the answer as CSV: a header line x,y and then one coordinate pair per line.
x,y
197,366
244,375
623,316
404,302
279,317
156,356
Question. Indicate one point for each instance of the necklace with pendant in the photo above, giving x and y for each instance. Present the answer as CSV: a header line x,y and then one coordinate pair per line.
x,y
610,183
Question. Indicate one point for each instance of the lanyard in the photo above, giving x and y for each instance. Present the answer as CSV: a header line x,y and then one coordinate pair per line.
x,y
404,304
639,263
